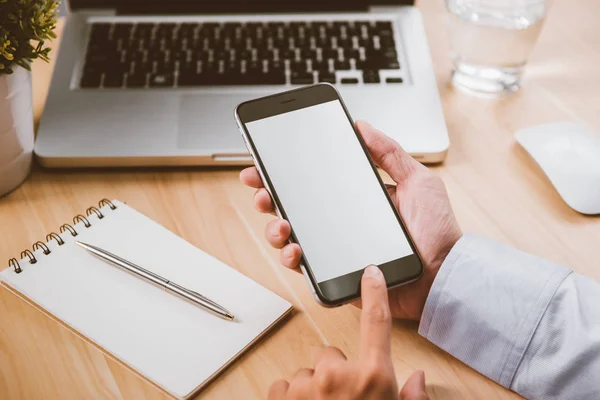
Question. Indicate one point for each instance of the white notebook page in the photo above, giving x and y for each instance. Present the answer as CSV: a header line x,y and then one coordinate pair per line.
x,y
171,342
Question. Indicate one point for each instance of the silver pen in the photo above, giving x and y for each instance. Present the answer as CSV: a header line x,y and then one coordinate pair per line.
x,y
172,287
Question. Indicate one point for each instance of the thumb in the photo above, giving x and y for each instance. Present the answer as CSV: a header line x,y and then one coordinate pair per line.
x,y
387,153
414,388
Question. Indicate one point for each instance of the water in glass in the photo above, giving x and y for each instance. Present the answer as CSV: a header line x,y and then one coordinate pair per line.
x,y
491,42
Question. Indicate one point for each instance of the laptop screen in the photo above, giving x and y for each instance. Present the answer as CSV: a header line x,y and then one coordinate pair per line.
x,y
229,6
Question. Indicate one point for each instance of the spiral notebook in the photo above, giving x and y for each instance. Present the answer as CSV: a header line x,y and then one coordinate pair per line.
x,y
175,344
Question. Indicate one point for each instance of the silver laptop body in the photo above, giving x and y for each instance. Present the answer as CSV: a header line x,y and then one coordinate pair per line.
x,y
155,83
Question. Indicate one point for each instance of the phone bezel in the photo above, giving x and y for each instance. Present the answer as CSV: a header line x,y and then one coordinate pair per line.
x,y
345,288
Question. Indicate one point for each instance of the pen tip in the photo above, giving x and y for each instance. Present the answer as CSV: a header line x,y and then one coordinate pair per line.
x,y
229,317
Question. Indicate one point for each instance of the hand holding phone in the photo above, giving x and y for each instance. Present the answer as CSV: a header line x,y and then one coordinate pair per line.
x,y
421,199
321,179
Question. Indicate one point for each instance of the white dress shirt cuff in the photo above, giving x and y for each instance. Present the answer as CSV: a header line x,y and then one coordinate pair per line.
x,y
486,303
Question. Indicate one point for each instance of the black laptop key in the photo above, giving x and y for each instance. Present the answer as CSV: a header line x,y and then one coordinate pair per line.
x,y
221,54
383,26
99,58
302,43
339,24
389,54
91,78
243,54
189,78
287,54
116,67
238,44
277,78
134,55
209,26
187,29
161,80
394,80
318,25
113,79
254,25
306,53
391,65
302,78
143,30
344,43
387,42
386,33
349,80
371,76
342,65
352,29
137,80
322,41
322,65
230,27
326,77
256,65
232,67
122,30
165,66
330,53
298,66
273,26
267,79
100,32
179,55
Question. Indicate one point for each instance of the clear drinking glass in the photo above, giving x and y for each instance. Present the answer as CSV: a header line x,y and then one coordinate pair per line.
x,y
491,42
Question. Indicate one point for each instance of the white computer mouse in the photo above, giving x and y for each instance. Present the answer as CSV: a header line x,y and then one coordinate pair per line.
x,y
569,155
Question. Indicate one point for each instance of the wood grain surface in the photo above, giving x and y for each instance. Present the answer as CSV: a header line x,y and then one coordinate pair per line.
x,y
495,189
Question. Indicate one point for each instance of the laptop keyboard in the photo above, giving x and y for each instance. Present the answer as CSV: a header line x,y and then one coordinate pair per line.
x,y
159,55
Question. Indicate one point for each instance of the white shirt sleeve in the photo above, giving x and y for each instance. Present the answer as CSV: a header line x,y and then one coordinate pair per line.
x,y
529,324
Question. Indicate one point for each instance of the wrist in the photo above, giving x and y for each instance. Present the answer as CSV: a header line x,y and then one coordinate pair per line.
x,y
433,267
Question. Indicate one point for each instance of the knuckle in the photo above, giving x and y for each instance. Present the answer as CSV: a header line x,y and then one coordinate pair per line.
x,y
378,314
325,379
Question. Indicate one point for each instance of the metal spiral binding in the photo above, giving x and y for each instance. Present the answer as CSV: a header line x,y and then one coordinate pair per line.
x,y
56,237
80,218
14,263
94,210
66,227
41,245
105,202
29,253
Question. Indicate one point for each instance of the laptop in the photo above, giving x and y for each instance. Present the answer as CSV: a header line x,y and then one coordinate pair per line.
x,y
155,83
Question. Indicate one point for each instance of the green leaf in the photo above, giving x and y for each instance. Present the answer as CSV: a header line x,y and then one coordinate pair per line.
x,y
25,25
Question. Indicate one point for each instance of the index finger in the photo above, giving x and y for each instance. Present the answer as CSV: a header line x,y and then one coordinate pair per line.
x,y
375,320
250,177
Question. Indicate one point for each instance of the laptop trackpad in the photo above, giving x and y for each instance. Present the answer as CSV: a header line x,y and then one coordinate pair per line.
x,y
206,122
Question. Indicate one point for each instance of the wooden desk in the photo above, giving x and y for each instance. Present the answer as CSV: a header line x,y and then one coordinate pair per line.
x,y
495,188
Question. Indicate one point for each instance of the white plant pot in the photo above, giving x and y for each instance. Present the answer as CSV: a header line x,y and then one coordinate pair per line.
x,y
16,129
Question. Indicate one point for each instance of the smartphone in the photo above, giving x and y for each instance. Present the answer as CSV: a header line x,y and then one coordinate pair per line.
x,y
317,169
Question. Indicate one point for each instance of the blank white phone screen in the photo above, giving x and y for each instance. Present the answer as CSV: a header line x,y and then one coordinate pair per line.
x,y
329,192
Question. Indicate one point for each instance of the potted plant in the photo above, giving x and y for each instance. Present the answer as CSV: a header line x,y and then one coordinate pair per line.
x,y
25,26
